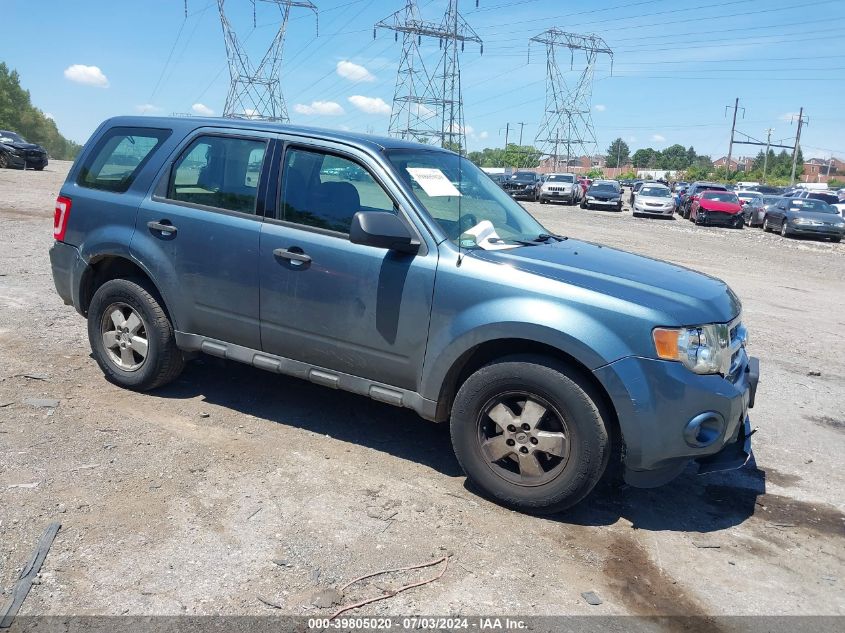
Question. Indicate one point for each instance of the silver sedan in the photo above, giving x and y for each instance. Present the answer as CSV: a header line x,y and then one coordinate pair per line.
x,y
653,200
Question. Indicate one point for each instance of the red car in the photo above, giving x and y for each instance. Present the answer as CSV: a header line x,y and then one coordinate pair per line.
x,y
721,208
585,184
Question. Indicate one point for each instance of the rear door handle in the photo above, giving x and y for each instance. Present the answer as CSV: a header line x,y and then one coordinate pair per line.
x,y
299,258
160,226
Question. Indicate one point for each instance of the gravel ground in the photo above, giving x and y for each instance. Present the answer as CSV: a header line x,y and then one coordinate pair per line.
x,y
234,488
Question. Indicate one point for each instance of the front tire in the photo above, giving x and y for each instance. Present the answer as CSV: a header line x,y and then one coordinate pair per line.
x,y
784,230
131,335
529,434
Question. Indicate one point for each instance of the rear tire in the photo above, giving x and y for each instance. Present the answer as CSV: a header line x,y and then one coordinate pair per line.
x,y
836,240
552,446
4,161
131,335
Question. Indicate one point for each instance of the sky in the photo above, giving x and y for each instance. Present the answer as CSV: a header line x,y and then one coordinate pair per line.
x,y
677,64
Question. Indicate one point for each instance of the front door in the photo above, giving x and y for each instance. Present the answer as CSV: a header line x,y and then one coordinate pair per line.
x,y
199,234
330,303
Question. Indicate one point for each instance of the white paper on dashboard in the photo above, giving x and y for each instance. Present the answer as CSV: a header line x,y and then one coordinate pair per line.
x,y
433,181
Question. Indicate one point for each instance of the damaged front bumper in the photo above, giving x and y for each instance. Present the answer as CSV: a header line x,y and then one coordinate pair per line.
x,y
670,416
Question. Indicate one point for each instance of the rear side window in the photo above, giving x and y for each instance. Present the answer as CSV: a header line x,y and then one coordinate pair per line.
x,y
220,172
118,157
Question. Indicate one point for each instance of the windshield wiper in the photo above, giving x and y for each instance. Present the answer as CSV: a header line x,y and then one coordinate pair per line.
x,y
545,237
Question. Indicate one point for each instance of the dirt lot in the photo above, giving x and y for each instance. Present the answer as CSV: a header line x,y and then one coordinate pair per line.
x,y
181,500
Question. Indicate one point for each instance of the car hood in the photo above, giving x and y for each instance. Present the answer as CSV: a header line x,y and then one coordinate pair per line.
x,y
603,194
819,217
655,199
715,205
684,296
19,145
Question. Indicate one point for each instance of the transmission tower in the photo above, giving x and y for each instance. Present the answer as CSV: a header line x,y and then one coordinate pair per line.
x,y
414,115
255,91
567,123
429,106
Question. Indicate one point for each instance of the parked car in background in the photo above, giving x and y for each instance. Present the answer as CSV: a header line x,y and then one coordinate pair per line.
x,y
603,194
16,152
717,208
755,210
634,189
768,190
627,182
824,196
654,199
548,367
585,184
695,189
808,217
680,185
561,188
524,185
745,195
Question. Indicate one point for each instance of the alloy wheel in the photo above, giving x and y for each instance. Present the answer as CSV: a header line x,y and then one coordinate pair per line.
x,y
124,337
523,438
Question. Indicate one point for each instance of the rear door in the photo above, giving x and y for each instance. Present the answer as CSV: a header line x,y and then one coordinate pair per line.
x,y
198,233
327,302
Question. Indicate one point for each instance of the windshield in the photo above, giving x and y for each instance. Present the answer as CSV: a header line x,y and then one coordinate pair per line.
x,y
560,178
523,177
655,192
750,195
459,196
603,187
11,137
721,196
811,205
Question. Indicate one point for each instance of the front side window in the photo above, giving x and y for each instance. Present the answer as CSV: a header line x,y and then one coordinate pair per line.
x,y
118,157
460,197
324,191
220,172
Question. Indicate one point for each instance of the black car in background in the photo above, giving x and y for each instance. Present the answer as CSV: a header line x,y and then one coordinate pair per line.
x,y
523,184
604,194
17,153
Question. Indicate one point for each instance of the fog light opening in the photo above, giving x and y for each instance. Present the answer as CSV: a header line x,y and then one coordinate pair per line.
x,y
704,429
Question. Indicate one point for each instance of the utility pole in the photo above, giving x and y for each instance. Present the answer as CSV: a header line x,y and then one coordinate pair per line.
x,y
255,89
618,157
797,143
507,131
766,157
519,153
733,131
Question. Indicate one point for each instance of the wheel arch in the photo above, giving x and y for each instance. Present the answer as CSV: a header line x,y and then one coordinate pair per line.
x,y
488,351
105,267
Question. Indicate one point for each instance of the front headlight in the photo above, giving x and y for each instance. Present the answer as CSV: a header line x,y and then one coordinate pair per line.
x,y
801,221
590,198
698,348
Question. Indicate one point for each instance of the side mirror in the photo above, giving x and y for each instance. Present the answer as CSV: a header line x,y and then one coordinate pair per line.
x,y
382,230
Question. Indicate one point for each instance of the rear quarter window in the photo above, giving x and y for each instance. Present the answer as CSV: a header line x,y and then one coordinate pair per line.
x,y
118,156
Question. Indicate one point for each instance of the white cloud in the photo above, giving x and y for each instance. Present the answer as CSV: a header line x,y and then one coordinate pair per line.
x,y
250,113
147,108
789,116
658,138
354,72
370,105
599,107
49,116
326,108
483,135
202,109
87,75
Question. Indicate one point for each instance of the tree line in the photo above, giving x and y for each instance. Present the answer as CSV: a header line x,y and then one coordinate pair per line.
x,y
17,114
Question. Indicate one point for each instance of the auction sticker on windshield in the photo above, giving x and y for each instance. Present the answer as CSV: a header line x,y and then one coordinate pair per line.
x,y
433,181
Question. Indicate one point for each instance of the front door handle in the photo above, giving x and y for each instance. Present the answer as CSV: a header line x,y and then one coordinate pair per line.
x,y
160,226
293,256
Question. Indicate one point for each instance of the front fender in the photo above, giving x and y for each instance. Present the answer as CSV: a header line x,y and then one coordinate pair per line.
x,y
549,323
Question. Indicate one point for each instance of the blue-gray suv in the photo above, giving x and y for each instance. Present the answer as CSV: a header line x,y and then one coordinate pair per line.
x,y
401,272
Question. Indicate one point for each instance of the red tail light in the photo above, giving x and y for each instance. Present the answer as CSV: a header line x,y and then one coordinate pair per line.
x,y
60,217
